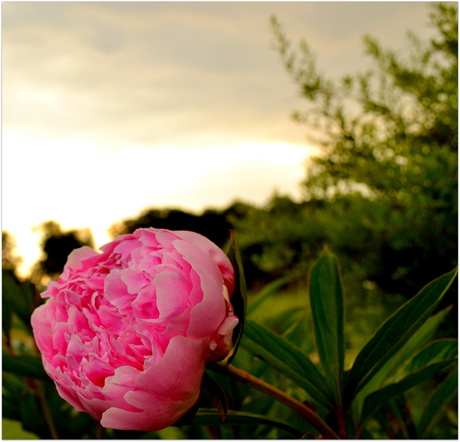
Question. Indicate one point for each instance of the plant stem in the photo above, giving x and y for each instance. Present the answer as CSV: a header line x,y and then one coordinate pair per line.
x,y
280,396
98,431
46,411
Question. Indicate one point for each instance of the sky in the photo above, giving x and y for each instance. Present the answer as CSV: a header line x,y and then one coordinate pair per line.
x,y
109,108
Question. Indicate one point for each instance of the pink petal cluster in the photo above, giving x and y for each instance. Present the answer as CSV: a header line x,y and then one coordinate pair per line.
x,y
126,333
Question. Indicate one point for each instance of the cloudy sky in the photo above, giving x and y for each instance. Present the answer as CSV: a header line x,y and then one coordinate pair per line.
x,y
113,107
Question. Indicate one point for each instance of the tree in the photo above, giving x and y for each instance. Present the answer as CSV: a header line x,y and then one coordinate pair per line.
x,y
56,246
390,135
10,261
391,130
211,223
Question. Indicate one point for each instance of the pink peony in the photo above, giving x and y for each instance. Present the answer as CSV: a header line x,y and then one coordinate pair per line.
x,y
126,334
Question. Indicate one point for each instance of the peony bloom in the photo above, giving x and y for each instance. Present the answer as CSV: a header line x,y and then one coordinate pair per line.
x,y
126,334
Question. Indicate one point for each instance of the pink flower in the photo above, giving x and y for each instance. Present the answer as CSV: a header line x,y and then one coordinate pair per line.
x,y
126,334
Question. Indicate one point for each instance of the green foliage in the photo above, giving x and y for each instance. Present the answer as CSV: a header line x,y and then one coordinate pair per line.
x,y
383,190
400,116
286,358
374,386
396,331
326,299
289,353
383,196
239,297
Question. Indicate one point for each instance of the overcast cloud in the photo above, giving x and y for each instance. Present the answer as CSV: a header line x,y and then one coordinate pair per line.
x,y
112,107
175,73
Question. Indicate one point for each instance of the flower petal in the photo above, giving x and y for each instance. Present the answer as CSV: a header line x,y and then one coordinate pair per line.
x,y
163,392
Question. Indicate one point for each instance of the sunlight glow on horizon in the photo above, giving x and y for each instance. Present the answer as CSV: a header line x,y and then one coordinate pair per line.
x,y
79,184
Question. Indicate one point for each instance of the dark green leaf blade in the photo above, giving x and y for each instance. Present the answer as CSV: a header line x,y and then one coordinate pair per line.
x,y
417,341
445,394
326,300
286,358
382,396
396,364
239,297
14,297
216,394
25,366
7,319
396,331
212,417
32,417
435,351
267,291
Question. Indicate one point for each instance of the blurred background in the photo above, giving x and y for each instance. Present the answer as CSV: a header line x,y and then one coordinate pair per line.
x,y
296,124
111,108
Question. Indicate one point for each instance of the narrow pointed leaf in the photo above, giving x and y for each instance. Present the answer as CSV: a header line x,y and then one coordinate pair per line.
x,y
239,298
396,331
444,395
25,366
32,416
382,396
411,347
396,363
212,417
216,394
7,318
326,300
11,408
15,298
265,293
286,358
434,352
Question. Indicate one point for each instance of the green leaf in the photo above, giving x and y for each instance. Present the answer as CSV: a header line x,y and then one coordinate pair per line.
x,y
239,297
326,300
7,319
395,332
299,331
444,395
11,384
10,408
25,366
395,419
216,395
286,358
397,362
380,397
434,352
285,321
32,417
212,417
14,297
266,292
413,345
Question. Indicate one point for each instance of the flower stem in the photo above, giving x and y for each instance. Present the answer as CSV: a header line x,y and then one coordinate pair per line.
x,y
280,396
46,411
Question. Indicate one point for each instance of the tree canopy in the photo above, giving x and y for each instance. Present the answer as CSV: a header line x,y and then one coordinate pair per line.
x,y
388,139
391,131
